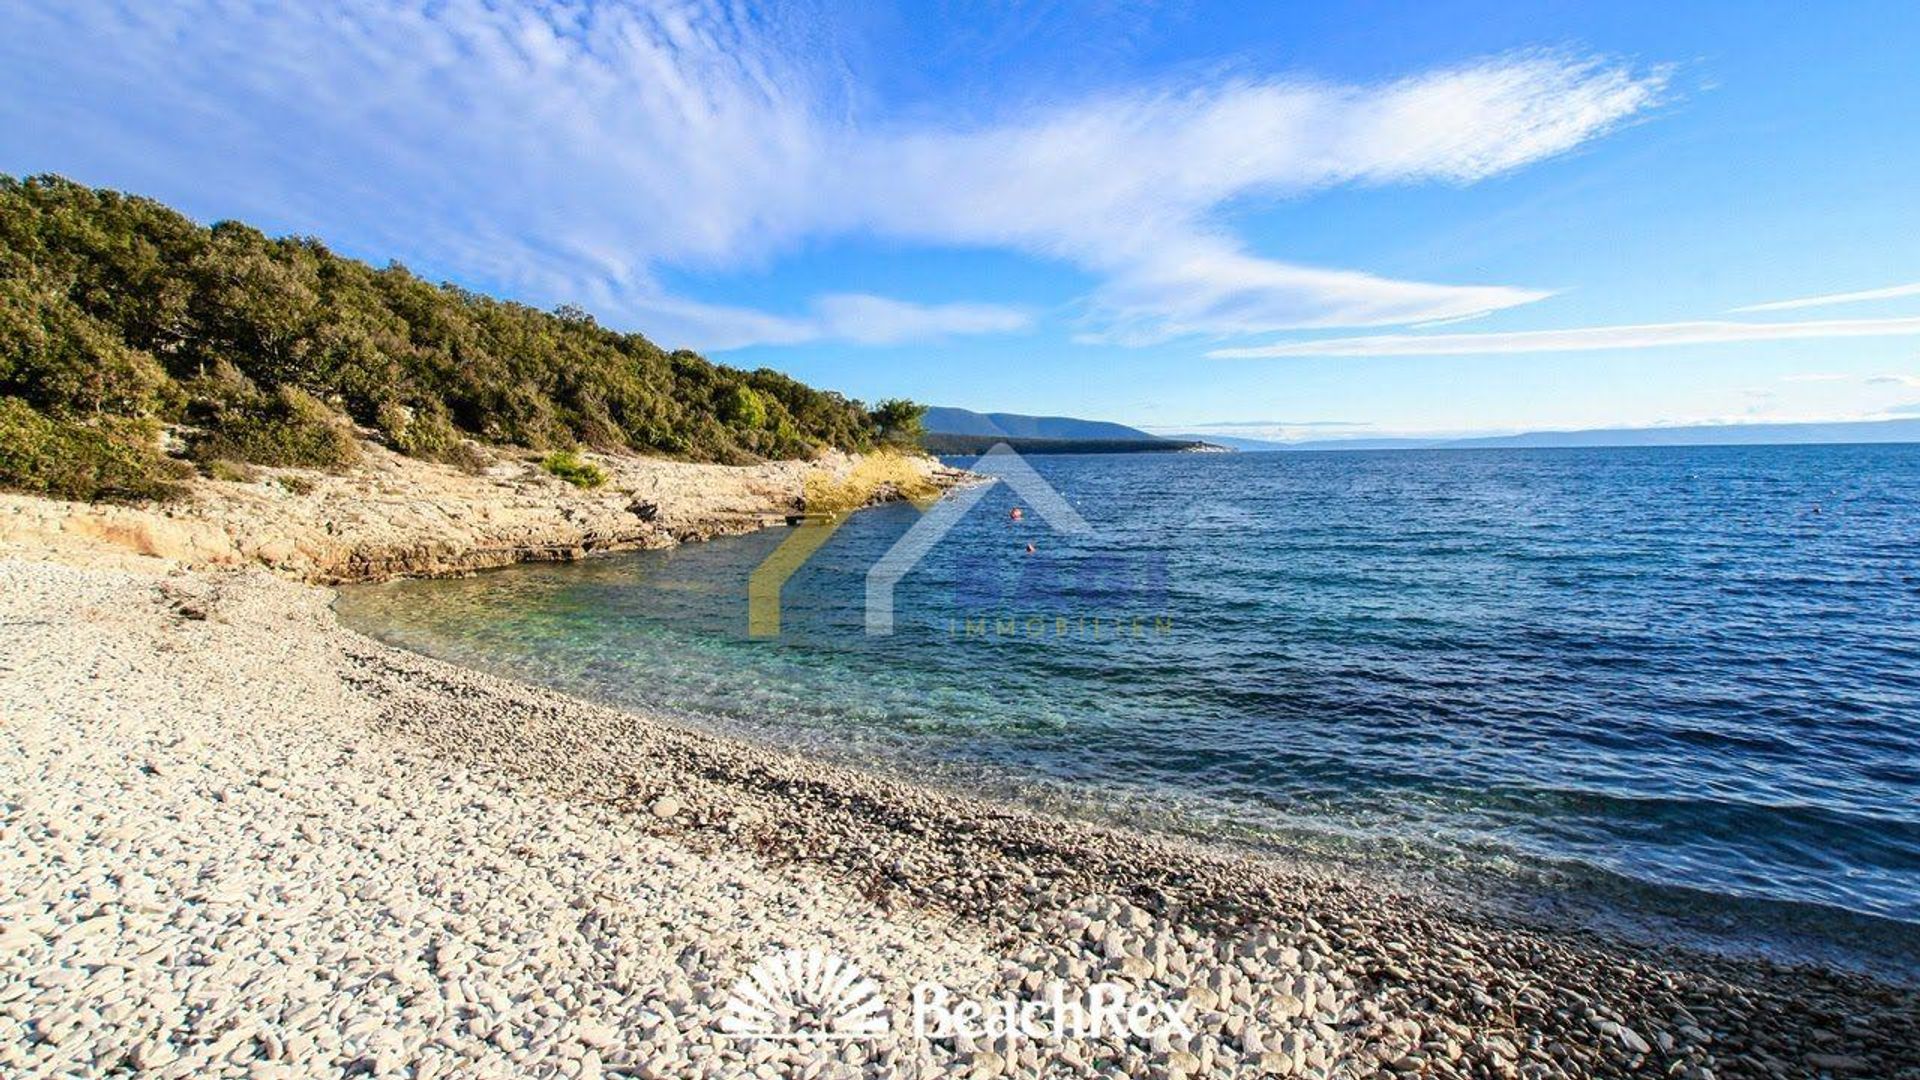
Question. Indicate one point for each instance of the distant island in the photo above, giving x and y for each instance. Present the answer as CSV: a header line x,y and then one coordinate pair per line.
x,y
963,431
1861,431
943,420
949,445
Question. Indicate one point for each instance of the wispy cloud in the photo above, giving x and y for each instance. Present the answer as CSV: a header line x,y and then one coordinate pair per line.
x,y
876,320
1130,186
1228,424
1895,380
1583,339
1891,292
1469,317
847,317
577,150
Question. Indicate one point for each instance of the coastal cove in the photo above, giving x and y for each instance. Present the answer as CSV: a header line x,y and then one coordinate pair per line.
x,y
680,540
414,864
1433,662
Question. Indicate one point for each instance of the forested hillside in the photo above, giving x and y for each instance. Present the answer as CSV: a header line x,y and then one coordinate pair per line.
x,y
137,345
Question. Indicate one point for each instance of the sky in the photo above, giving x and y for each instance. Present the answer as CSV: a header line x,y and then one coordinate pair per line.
x,y
1287,221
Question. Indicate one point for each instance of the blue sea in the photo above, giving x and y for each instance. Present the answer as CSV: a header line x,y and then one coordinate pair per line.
x,y
1682,681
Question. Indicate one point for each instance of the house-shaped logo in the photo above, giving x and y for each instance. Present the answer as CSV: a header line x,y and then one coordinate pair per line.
x,y
1001,465
998,465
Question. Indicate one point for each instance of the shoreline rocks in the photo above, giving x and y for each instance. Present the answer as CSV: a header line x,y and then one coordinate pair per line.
x,y
237,839
395,516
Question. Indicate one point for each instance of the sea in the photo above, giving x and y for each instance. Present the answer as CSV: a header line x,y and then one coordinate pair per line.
x,y
1675,691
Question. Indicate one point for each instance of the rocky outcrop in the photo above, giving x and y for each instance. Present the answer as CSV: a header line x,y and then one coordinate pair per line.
x,y
395,516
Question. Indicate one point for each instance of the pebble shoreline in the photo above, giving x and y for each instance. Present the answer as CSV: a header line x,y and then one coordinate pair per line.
x,y
237,839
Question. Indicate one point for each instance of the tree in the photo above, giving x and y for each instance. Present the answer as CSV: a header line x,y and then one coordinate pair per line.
x,y
899,421
743,408
115,308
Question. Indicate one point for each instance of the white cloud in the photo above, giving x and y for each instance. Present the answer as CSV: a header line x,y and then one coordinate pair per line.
x,y
575,150
1895,380
1217,290
877,320
1891,292
849,317
565,151
1131,187
1431,323
1583,339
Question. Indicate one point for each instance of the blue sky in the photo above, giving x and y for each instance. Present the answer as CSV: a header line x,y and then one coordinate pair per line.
x,y
1253,218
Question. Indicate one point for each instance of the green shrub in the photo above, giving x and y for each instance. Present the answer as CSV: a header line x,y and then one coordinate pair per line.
x,y
108,460
113,305
295,485
570,467
393,420
66,363
423,432
288,427
233,472
467,457
743,408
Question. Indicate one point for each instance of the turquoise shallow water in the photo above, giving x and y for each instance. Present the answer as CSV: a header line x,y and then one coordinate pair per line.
x,y
1691,674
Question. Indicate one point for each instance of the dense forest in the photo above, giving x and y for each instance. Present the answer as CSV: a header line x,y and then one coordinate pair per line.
x,y
137,346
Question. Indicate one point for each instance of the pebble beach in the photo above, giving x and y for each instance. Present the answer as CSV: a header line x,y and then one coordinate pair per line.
x,y
238,839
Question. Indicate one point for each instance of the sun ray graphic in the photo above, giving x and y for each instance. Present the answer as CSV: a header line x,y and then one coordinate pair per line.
x,y
803,995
